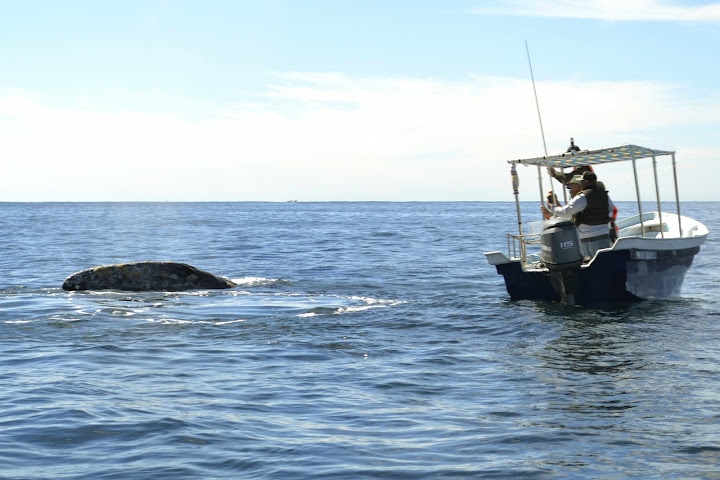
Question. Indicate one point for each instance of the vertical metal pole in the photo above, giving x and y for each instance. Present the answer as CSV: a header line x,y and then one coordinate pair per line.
x,y
540,184
657,193
637,191
677,195
516,186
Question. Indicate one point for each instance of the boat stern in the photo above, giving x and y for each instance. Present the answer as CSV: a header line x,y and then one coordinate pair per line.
x,y
496,258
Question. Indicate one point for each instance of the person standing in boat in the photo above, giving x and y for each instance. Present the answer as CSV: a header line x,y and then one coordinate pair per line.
x,y
590,209
565,178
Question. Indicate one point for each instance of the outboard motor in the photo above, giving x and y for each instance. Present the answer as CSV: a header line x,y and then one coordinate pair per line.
x,y
562,256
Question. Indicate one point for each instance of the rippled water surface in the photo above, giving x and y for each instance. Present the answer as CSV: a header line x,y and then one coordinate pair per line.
x,y
364,340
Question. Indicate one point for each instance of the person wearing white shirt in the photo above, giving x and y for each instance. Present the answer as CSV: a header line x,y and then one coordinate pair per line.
x,y
590,208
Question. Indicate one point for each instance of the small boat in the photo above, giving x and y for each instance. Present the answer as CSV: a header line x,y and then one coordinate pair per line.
x,y
648,260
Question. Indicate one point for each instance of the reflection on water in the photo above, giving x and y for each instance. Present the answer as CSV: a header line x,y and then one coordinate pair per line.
x,y
593,365
608,361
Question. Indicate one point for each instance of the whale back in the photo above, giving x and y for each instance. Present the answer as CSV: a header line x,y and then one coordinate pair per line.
x,y
145,276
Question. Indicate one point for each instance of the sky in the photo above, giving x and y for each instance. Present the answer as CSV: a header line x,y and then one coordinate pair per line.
x,y
342,100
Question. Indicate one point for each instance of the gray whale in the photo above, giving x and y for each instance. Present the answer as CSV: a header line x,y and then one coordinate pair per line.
x,y
145,276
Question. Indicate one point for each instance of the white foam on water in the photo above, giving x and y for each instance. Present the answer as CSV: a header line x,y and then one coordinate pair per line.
x,y
368,303
169,321
239,320
254,281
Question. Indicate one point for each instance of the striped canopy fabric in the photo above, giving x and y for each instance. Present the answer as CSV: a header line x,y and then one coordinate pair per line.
x,y
594,157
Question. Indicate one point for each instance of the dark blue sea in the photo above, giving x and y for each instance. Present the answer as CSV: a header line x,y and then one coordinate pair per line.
x,y
364,341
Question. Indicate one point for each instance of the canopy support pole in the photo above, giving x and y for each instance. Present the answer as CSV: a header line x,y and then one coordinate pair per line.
x,y
540,184
657,193
637,191
516,186
677,195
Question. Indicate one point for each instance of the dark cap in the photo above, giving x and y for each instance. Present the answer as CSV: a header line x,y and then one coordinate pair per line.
x,y
589,177
575,179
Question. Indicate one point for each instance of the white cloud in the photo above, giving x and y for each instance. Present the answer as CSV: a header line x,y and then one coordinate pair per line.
x,y
604,9
333,137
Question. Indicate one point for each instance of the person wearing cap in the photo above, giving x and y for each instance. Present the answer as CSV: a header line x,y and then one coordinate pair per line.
x,y
590,209
573,184
565,178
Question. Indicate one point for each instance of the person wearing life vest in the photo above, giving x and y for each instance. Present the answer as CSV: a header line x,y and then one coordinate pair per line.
x,y
590,209
614,230
573,187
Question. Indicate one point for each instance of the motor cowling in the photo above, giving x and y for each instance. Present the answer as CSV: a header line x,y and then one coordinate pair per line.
x,y
560,242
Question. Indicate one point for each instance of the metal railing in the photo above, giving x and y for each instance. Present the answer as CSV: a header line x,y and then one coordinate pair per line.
x,y
519,243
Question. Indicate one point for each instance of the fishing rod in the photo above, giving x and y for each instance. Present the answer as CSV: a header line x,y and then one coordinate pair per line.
x,y
542,131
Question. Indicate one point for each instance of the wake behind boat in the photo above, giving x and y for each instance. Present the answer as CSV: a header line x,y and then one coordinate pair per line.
x,y
648,260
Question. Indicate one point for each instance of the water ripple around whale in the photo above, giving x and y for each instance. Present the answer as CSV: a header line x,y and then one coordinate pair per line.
x,y
217,307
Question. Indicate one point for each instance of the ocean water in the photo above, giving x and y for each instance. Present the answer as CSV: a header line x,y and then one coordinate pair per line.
x,y
365,340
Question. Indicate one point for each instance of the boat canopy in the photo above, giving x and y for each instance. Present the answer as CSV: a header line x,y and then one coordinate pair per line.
x,y
573,159
622,153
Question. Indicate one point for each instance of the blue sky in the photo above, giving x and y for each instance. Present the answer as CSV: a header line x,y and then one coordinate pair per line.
x,y
345,100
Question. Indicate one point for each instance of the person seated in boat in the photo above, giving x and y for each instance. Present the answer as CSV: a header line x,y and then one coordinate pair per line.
x,y
613,217
614,230
591,210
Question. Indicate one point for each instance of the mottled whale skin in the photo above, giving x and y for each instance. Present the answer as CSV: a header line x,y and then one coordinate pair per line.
x,y
145,276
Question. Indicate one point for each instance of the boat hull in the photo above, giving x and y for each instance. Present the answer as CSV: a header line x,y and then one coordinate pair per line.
x,y
658,273
617,275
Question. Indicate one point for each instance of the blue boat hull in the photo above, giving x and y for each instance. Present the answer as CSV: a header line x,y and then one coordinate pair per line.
x,y
613,276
